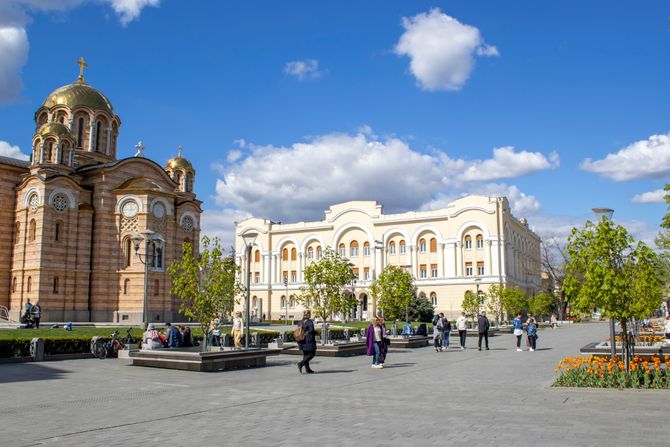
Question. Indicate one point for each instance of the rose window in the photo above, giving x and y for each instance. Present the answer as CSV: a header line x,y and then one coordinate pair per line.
x,y
187,223
34,202
60,202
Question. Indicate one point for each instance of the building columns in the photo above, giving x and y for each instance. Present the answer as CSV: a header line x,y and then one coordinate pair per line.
x,y
440,260
91,130
459,259
487,261
109,137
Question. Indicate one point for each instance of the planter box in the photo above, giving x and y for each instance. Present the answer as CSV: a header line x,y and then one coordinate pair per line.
x,y
604,351
346,349
411,342
189,360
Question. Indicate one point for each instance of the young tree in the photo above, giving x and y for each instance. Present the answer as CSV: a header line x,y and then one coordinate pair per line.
x,y
554,260
207,285
393,290
607,270
420,309
494,301
514,300
541,304
470,304
325,281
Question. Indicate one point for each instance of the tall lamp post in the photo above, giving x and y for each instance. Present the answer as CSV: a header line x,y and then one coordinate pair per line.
x,y
479,298
286,301
249,239
607,213
147,236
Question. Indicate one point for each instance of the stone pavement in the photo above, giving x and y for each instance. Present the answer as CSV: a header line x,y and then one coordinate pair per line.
x,y
470,398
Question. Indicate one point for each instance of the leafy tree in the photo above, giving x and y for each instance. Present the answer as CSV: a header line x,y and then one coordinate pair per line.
x,y
554,260
514,301
421,309
494,301
541,304
470,304
325,280
393,290
207,285
607,270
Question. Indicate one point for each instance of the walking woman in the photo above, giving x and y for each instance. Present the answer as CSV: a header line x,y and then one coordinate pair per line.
x,y
237,330
308,344
531,330
462,329
518,330
374,339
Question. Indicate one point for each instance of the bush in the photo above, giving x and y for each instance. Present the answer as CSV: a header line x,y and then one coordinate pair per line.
x,y
14,348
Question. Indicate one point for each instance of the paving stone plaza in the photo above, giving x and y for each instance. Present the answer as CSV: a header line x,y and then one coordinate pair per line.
x,y
468,398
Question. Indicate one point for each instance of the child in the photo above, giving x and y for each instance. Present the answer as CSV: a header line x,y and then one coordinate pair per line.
x,y
531,330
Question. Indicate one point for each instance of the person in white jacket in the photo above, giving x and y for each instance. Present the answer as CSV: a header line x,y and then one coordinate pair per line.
x,y
462,330
151,338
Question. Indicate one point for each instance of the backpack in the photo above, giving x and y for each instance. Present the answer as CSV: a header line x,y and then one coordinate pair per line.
x,y
299,333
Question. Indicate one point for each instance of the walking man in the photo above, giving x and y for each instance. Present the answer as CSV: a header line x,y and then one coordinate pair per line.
x,y
308,343
462,329
483,326
36,312
446,331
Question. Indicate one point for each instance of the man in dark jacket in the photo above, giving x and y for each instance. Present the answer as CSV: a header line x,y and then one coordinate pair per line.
x,y
308,344
173,336
483,326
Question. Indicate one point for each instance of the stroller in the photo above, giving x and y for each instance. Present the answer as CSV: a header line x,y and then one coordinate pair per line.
x,y
26,321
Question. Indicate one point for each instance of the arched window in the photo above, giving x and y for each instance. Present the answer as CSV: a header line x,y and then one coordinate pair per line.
x,y
366,249
49,152
422,245
32,230
402,247
17,232
433,245
433,299
293,254
156,254
29,284
187,179
342,250
14,284
57,230
177,178
257,256
80,131
157,287
98,128
353,249
319,252
42,119
480,241
468,242
284,254
126,286
282,302
291,302
392,248
56,284
127,251
310,253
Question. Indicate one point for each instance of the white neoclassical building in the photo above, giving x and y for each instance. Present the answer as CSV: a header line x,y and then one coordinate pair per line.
x,y
473,242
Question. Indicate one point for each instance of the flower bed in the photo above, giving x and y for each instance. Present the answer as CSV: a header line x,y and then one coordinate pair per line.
x,y
604,372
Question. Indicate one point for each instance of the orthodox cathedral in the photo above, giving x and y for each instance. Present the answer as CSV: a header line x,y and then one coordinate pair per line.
x,y
88,235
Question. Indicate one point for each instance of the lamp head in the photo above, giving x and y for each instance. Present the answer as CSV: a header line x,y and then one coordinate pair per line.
x,y
249,238
600,212
137,240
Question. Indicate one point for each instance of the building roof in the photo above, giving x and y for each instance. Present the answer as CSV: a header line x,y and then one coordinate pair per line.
x,y
14,162
79,94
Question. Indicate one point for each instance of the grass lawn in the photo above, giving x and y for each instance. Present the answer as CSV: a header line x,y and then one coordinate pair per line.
x,y
88,332
365,324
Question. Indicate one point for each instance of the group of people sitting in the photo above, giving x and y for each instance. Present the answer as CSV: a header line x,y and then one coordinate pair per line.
x,y
170,337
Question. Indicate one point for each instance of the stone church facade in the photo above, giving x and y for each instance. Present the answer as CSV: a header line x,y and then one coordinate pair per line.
x,y
69,216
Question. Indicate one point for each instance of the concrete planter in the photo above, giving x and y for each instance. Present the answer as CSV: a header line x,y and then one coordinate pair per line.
x,y
190,360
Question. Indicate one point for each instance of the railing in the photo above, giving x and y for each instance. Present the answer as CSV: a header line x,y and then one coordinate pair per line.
x,y
4,314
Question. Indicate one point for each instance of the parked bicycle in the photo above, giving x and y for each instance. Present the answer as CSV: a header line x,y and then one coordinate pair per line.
x,y
102,349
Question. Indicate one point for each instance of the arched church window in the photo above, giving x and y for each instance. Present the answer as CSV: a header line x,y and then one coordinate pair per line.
x,y
14,285
56,284
156,256
29,284
433,245
98,128
186,182
187,223
33,203
80,131
58,228
126,286
157,287
127,251
32,230
60,202
293,254
17,232
48,157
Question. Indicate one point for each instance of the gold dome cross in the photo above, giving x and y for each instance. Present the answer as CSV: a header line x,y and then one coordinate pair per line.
x,y
82,64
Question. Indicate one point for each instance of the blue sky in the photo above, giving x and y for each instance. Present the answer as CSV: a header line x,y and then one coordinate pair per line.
x,y
330,90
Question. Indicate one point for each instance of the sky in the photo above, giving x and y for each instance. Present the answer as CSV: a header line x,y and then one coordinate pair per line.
x,y
285,108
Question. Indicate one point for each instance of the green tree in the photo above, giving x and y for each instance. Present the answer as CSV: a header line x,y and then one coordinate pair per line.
x,y
325,281
514,301
393,291
207,285
470,304
541,304
494,301
420,308
607,270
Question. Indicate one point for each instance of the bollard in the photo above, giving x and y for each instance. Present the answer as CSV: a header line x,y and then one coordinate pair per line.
x,y
37,349
282,336
225,340
255,340
346,334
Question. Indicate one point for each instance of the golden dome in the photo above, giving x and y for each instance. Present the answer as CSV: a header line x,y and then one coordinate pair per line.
x,y
54,128
79,94
179,162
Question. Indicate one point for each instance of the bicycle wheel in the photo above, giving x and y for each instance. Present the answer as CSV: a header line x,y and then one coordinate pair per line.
x,y
99,350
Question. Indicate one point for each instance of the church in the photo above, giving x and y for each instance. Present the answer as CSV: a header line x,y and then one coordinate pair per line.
x,y
86,234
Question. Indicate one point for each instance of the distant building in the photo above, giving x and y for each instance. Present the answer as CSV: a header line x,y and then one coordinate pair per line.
x,y
472,243
69,214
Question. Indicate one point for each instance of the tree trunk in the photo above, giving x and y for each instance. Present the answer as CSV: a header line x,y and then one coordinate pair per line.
x,y
625,343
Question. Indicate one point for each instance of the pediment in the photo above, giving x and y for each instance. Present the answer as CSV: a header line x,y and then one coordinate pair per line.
x,y
140,183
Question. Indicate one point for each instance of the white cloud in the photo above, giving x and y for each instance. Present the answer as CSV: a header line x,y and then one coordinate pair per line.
x,y
657,196
305,69
13,56
300,181
129,10
648,158
233,155
7,150
441,49
507,164
221,224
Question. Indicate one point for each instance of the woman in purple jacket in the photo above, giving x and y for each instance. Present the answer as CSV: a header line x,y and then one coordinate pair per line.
x,y
374,338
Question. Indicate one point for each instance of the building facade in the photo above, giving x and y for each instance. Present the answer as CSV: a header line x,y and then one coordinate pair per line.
x,y
471,244
69,216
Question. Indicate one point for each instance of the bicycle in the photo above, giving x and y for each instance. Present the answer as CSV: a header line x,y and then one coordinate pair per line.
x,y
102,349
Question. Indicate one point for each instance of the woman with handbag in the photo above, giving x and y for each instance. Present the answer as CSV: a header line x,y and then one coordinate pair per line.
x,y
518,330
374,339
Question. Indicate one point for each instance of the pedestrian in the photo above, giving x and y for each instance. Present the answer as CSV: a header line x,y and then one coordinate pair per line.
x,y
26,312
215,332
437,332
531,330
151,338
186,336
237,330
308,344
462,329
554,321
374,339
483,326
173,336
518,330
386,342
36,313
667,327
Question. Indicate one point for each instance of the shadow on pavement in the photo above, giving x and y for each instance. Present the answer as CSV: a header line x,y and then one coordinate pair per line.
x,y
543,349
28,372
335,371
398,365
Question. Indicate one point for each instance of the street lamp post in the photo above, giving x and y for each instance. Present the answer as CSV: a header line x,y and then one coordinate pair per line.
x,y
286,301
147,236
607,213
479,298
249,239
